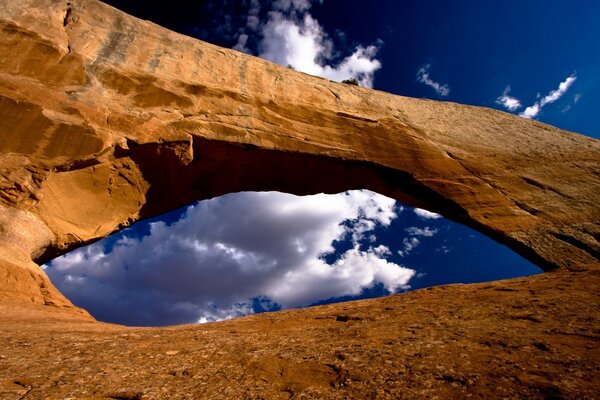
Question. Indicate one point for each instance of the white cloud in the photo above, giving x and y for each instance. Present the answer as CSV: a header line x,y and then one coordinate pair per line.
x,y
381,251
424,77
302,43
227,251
291,36
426,214
409,244
508,102
427,231
558,93
534,110
531,111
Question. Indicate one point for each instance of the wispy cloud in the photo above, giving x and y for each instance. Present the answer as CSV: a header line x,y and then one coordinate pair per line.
x,y
508,102
424,77
408,245
535,109
427,231
412,242
444,249
576,99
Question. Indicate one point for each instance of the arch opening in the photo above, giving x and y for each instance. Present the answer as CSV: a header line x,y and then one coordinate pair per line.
x,y
251,252
239,129
180,172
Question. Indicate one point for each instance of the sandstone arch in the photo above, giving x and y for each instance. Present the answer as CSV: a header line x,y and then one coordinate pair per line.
x,y
109,119
106,119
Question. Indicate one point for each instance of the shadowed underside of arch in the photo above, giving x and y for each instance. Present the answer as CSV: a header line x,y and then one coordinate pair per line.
x,y
107,119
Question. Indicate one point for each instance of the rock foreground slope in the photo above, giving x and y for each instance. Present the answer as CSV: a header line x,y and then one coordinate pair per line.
x,y
107,119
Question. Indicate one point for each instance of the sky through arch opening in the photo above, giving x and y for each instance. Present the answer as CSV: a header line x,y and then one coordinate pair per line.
x,y
250,252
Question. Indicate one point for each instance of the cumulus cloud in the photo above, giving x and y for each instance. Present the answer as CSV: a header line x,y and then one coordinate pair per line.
x,y
424,77
507,101
302,43
535,109
289,35
227,253
531,111
426,214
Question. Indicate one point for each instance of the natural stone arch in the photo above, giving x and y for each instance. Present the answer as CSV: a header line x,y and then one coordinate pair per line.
x,y
108,119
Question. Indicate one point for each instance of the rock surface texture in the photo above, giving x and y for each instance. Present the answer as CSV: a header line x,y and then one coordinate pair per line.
x,y
106,119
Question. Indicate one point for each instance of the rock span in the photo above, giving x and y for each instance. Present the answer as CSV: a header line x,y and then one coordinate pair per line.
x,y
107,119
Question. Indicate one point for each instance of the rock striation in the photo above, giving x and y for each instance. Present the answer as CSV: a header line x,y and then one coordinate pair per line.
x,y
108,119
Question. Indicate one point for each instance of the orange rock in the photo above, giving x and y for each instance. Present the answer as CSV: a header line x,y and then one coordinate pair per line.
x,y
107,119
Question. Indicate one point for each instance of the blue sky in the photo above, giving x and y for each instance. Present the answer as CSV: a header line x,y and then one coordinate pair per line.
x,y
201,263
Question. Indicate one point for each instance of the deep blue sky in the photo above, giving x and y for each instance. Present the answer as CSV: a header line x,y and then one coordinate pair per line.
x,y
476,48
480,47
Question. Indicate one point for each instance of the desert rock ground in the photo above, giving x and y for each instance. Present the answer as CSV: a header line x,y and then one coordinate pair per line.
x,y
526,338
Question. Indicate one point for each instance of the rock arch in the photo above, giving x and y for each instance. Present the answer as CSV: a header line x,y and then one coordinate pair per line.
x,y
108,119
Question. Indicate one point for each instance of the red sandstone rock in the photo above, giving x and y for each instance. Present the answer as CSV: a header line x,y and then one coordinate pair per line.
x,y
107,119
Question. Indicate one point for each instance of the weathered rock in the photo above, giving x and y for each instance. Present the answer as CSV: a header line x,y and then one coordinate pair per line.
x,y
107,119
527,338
